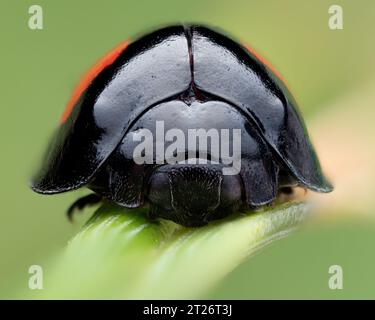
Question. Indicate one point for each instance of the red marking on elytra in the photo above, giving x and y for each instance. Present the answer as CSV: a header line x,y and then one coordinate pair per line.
x,y
106,61
265,62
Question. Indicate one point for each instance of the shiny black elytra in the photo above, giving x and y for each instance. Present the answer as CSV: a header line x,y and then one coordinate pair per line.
x,y
189,77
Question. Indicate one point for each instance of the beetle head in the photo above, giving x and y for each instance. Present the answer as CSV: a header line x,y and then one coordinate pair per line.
x,y
192,194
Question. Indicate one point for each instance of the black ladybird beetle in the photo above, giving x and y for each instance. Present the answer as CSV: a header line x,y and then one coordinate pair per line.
x,y
188,77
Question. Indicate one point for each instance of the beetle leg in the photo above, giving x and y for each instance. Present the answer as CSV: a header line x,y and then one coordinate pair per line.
x,y
81,203
260,181
286,190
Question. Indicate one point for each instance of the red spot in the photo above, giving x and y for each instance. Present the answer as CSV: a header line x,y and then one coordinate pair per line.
x,y
265,62
106,61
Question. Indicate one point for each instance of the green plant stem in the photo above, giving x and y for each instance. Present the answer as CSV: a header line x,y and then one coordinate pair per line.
x,y
120,254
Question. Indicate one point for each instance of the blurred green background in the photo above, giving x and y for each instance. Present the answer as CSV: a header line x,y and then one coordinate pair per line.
x,y
331,73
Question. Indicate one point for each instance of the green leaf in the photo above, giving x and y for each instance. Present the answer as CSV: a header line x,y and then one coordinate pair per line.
x,y
120,254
